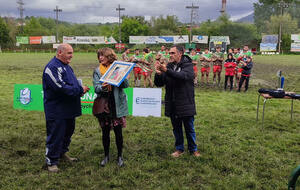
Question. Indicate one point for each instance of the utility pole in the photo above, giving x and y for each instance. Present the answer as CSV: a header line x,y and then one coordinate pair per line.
x,y
223,9
281,5
21,9
56,11
120,9
192,15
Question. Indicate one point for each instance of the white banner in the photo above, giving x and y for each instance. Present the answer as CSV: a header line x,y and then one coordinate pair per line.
x,y
146,102
219,39
110,40
200,39
137,39
295,37
181,39
88,40
97,40
69,40
158,39
268,47
55,46
295,47
165,39
48,39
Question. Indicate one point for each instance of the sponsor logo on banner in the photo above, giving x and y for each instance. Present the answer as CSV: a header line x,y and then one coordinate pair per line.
x,y
35,39
268,47
22,39
181,39
147,101
295,37
165,39
25,96
151,40
295,47
200,39
48,39
219,39
69,39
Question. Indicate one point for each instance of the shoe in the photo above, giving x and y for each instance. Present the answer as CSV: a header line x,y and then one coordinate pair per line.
x,y
53,169
196,154
68,158
177,153
104,161
120,161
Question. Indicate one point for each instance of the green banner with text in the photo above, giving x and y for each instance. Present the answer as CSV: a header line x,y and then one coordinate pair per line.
x,y
30,97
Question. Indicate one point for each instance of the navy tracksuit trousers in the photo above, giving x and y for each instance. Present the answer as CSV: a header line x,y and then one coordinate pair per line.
x,y
59,133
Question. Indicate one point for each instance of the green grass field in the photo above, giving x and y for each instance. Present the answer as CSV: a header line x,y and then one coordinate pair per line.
x,y
237,153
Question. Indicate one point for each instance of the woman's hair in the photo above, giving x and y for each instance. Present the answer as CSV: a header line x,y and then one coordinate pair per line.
x,y
108,53
229,54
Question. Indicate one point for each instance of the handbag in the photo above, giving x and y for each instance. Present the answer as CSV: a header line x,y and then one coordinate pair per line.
x,y
100,106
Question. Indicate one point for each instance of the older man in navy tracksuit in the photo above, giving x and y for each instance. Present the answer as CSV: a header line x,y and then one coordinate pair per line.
x,y
62,93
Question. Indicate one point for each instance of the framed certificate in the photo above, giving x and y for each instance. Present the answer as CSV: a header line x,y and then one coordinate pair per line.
x,y
117,72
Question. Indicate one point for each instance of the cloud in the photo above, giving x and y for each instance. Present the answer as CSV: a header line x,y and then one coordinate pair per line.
x,y
95,10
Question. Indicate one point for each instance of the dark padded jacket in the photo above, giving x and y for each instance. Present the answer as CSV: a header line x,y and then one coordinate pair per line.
x,y
247,69
179,83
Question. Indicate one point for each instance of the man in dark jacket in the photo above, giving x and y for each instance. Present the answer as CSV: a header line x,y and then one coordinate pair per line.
x,y
178,78
246,73
62,92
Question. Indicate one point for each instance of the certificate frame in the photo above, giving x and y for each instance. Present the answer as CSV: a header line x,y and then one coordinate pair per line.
x,y
117,73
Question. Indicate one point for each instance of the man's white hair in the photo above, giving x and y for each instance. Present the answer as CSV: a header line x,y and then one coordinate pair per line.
x,y
62,47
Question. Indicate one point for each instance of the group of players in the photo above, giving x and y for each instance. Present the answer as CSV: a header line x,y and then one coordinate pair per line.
x,y
237,65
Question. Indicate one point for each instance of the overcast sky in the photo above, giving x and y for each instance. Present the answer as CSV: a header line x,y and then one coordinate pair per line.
x,y
87,11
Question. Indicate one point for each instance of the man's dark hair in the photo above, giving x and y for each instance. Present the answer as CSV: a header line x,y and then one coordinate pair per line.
x,y
145,50
125,49
179,48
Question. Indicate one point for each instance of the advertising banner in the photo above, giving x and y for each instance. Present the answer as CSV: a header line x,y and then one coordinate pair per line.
x,y
97,40
48,39
69,39
268,47
22,39
158,39
35,39
219,39
269,39
137,39
295,37
141,102
83,40
110,40
146,102
200,39
181,39
150,40
88,40
295,47
165,39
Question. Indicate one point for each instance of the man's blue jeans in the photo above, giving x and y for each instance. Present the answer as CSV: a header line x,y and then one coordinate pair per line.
x,y
188,123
